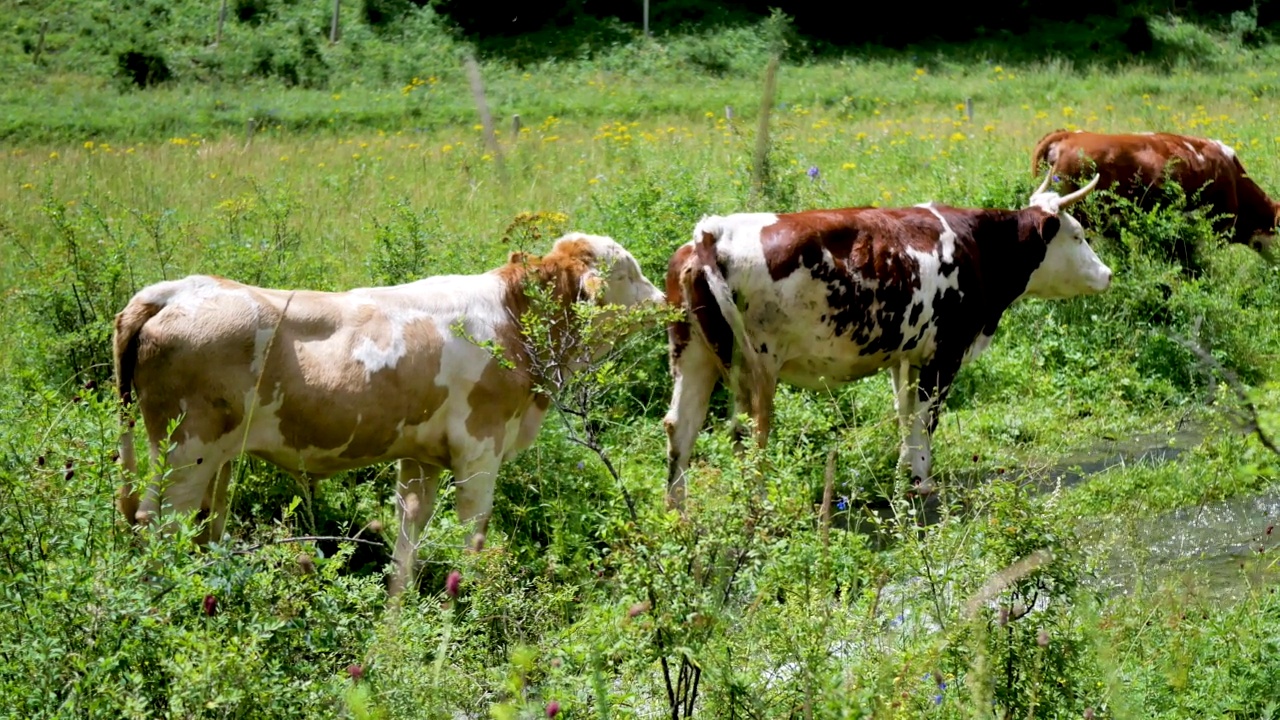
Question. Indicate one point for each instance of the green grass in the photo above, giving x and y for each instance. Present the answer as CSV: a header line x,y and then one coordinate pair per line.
x,y
102,192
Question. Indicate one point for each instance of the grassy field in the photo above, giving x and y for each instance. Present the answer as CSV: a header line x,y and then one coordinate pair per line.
x,y
749,608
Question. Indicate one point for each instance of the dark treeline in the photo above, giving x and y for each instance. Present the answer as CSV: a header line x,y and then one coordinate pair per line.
x,y
832,26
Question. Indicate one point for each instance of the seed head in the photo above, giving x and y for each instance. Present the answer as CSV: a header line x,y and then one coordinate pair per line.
x,y
306,563
40,461
375,526
478,542
68,475
1042,638
355,671
210,605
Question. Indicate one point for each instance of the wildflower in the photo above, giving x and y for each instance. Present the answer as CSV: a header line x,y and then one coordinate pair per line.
x,y
210,605
581,465
553,709
638,608
88,144
812,172
997,69
213,176
53,155
957,137
842,503
306,563
551,138
355,671
451,584
446,148
478,542
27,186
919,71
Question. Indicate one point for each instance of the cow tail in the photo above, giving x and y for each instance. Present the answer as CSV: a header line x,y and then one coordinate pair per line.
x,y
729,310
129,323
1041,153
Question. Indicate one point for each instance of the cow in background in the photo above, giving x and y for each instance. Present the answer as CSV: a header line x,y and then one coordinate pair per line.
x,y
1130,165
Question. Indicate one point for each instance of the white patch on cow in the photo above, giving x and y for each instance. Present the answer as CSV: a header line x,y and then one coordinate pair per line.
x,y
947,239
1191,148
1070,267
190,293
1225,148
376,358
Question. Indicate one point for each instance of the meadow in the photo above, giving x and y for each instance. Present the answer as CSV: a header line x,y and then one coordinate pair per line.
x,y
1003,597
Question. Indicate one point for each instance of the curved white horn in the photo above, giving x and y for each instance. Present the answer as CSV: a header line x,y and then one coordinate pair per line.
x,y
1044,185
1079,193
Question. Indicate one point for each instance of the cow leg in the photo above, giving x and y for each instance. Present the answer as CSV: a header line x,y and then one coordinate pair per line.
x,y
695,374
935,383
474,483
415,504
215,505
194,466
905,378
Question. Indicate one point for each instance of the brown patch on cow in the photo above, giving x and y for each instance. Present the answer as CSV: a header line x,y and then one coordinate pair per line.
x,y
498,396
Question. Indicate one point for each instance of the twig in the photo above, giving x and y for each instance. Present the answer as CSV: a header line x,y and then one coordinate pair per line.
x,y
304,538
1254,424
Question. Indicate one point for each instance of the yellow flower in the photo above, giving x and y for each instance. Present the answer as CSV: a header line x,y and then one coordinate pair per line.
x,y
88,144
213,176
446,148
957,137
486,157
551,138
1068,112
989,127
710,114
849,166
886,195
477,126
997,69
355,156
592,181
919,71
27,186
53,155
319,165
284,158
960,107
337,96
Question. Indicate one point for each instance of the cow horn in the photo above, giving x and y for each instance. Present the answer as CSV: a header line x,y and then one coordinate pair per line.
x,y
1066,201
1044,185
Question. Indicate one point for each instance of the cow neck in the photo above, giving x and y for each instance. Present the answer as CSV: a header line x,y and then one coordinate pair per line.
x,y
562,277
1011,247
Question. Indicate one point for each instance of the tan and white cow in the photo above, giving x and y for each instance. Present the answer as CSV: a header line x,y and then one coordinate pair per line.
x,y
318,383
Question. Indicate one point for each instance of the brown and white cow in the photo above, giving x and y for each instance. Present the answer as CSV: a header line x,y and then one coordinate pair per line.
x,y
821,298
318,383
1130,165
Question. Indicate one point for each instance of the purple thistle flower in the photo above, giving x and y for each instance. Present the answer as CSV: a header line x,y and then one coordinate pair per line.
x,y
451,584
813,172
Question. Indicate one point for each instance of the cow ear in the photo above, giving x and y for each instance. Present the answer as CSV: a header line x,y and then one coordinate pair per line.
x,y
518,257
1049,227
590,285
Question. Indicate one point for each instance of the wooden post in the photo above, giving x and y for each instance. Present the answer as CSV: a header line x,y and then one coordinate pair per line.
x,y
250,126
515,125
758,169
44,27
222,19
968,108
646,18
333,27
486,120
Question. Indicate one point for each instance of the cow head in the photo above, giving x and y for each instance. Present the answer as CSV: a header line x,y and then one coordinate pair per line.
x,y
609,274
1069,267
